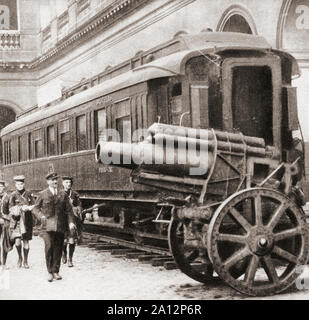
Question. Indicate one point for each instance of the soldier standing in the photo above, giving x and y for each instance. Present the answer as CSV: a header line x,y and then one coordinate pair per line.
x,y
54,210
21,202
72,237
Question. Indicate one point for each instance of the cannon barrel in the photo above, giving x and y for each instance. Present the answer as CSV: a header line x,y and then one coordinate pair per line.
x,y
205,134
209,145
155,157
175,150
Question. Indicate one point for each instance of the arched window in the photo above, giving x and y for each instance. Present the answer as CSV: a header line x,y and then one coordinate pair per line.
x,y
237,18
237,23
7,115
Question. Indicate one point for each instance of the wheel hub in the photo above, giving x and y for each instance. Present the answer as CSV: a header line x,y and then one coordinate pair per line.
x,y
260,241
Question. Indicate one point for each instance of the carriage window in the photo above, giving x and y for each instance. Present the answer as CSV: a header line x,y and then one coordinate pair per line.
x,y
123,126
65,137
123,118
100,125
30,155
81,133
176,90
19,149
22,149
7,152
199,105
4,153
51,141
38,144
176,103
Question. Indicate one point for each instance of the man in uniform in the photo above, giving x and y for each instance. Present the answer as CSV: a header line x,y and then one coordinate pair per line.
x,y
21,202
4,203
54,210
72,237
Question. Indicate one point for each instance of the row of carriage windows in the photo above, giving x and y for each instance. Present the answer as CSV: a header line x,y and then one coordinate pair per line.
x,y
31,145
78,133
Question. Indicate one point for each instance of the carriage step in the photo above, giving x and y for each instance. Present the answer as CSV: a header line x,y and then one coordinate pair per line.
x,y
147,257
133,255
158,262
170,265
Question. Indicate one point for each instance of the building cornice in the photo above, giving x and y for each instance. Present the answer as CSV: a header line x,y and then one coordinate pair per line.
x,y
89,29
155,14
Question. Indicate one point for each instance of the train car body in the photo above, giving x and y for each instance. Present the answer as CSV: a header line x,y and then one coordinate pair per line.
x,y
233,85
63,137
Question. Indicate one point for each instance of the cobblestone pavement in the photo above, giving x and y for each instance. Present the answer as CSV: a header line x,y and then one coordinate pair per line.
x,y
98,275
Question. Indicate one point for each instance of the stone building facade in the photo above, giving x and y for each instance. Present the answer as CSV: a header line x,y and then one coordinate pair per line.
x,y
40,60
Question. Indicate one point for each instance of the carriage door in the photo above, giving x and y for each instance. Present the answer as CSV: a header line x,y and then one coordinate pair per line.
x,y
251,97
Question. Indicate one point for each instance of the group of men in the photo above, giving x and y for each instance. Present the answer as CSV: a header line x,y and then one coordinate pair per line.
x,y
58,211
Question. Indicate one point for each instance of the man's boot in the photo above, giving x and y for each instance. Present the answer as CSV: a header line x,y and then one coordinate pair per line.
x,y
26,251
20,258
71,252
64,254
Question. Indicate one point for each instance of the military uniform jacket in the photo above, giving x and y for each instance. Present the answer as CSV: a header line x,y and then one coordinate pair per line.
x,y
18,199
76,204
4,205
57,210
74,198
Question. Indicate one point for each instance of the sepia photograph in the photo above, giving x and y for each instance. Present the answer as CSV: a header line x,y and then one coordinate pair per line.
x,y
154,150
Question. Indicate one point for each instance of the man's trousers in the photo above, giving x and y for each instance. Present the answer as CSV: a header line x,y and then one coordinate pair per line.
x,y
53,250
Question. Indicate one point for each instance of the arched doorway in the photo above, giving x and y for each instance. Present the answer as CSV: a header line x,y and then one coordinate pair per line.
x,y
7,116
237,23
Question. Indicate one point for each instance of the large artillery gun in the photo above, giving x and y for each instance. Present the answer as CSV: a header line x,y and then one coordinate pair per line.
x,y
236,207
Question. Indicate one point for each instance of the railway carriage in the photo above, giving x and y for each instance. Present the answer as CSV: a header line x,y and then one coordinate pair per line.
x,y
242,216
228,92
62,138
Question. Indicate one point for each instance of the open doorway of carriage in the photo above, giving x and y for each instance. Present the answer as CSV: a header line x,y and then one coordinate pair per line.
x,y
7,115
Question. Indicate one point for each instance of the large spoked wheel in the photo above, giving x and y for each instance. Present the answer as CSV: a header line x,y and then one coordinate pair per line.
x,y
193,262
261,233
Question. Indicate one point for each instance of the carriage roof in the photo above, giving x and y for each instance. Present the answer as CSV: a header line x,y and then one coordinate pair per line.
x,y
171,65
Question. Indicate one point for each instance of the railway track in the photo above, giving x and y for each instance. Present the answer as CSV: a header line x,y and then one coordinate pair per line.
x,y
153,255
120,244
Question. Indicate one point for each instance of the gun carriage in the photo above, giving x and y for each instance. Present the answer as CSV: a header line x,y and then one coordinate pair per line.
x,y
217,164
232,173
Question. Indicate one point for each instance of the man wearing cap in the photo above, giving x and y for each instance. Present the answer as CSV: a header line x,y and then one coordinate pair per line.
x,y
4,205
21,202
54,210
72,237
